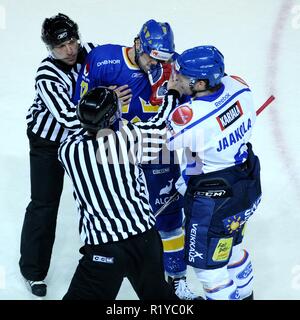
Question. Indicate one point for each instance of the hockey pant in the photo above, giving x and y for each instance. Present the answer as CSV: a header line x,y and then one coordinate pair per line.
x,y
217,207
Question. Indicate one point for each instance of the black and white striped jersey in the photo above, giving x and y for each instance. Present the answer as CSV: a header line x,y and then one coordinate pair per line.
x,y
53,114
109,184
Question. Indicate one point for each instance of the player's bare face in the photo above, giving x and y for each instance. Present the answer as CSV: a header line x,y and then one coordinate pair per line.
x,y
145,62
67,51
183,84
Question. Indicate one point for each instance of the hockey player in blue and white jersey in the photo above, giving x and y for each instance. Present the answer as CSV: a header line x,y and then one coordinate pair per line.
x,y
145,69
221,176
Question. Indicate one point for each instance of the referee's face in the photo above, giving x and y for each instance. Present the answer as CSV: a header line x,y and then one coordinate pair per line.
x,y
67,51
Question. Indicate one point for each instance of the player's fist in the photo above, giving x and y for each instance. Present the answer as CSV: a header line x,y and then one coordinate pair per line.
x,y
159,75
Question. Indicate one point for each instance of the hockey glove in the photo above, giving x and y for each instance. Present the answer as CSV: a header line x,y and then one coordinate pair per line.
x,y
159,75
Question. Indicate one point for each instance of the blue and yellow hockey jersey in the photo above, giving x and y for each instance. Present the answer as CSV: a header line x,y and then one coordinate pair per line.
x,y
109,65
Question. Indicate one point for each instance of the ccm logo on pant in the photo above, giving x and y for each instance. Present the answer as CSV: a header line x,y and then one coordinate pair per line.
x,y
102,259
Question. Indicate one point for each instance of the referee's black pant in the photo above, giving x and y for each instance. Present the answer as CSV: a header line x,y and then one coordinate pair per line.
x,y
102,268
38,232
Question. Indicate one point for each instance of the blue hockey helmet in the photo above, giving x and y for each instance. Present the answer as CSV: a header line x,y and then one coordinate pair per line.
x,y
202,63
157,40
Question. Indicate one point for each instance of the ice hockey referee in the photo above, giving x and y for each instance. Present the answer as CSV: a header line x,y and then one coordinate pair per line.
x,y
116,221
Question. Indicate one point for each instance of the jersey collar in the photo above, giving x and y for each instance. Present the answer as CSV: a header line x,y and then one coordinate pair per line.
x,y
129,64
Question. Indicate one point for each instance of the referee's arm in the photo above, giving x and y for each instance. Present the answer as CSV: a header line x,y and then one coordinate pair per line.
x,y
56,98
153,133
158,121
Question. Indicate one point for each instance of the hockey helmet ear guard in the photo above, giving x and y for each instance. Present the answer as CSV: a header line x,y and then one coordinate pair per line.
x,y
98,109
58,29
202,63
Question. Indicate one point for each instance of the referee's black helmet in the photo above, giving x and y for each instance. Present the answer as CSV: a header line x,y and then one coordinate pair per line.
x,y
59,28
98,109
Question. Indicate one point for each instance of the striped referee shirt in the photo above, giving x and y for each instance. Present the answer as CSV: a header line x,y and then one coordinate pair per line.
x,y
109,184
53,114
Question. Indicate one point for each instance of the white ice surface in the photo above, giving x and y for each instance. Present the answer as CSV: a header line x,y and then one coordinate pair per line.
x,y
260,42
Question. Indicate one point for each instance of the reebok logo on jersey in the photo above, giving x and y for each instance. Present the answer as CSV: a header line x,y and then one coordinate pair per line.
x,y
137,75
222,100
229,116
102,259
182,115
